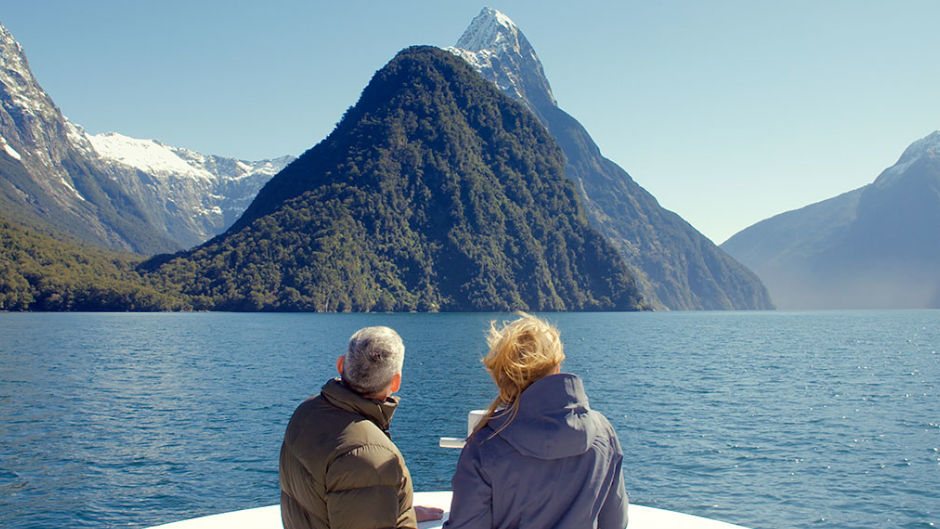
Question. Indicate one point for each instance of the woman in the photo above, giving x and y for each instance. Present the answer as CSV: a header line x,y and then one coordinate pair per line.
x,y
540,457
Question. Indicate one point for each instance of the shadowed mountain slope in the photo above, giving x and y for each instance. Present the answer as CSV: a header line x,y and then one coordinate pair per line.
x,y
875,247
677,267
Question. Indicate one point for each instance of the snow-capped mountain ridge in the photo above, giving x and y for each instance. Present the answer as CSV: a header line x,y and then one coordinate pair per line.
x,y
926,146
150,156
166,161
121,192
194,196
159,159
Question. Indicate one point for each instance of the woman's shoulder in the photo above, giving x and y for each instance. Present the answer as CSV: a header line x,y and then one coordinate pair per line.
x,y
607,434
486,442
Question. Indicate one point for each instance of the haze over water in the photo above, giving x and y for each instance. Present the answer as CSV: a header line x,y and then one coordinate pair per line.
x,y
769,419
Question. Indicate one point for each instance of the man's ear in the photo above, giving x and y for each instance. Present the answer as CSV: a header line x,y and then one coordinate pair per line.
x,y
339,364
396,384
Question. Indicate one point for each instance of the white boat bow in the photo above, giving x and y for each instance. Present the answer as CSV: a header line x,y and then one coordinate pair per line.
x,y
269,517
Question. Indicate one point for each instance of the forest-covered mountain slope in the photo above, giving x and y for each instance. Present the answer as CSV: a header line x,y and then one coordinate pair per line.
x,y
434,192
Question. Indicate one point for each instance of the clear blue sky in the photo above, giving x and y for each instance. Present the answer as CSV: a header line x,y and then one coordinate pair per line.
x,y
729,112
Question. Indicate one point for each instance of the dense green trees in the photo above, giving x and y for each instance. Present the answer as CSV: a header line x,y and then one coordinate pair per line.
x,y
434,192
38,272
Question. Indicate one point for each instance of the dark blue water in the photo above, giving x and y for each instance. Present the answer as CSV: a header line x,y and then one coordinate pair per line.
x,y
770,420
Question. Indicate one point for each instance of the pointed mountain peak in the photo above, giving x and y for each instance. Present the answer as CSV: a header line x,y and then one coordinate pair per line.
x,y
38,130
666,249
9,47
490,30
496,48
16,80
926,147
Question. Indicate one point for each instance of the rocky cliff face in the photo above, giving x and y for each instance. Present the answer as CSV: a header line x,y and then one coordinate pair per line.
x,y
120,192
677,266
875,247
49,172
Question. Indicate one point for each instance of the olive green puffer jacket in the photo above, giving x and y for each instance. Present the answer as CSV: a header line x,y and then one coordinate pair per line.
x,y
340,469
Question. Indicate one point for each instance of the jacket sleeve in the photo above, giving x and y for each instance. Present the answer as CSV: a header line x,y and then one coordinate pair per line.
x,y
472,503
363,491
613,514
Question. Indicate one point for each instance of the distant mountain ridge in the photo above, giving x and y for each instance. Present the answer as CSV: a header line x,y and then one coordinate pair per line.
x,y
875,247
434,192
679,268
116,191
190,195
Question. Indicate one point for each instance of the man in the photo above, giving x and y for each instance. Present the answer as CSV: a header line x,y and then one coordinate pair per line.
x,y
338,465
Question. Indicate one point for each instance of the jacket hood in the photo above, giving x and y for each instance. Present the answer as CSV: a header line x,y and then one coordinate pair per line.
x,y
554,419
378,411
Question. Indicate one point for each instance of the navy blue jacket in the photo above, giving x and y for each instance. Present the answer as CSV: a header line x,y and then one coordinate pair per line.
x,y
556,465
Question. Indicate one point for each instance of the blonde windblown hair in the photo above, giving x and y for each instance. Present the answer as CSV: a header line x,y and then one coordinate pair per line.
x,y
521,352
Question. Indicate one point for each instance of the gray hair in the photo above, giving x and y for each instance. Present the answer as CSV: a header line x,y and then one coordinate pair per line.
x,y
374,356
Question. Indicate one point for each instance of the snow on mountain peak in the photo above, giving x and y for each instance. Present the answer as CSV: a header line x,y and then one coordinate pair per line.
x,y
20,87
11,53
186,195
149,156
496,48
489,30
928,146
39,136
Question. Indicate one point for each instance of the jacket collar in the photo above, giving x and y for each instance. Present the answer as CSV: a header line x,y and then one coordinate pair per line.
x,y
378,411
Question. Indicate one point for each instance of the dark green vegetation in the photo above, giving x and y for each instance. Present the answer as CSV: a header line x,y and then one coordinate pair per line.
x,y
434,192
38,272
